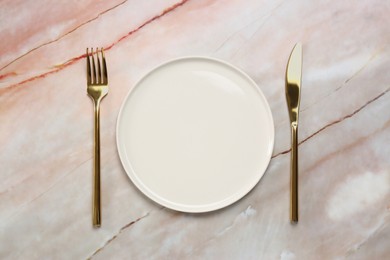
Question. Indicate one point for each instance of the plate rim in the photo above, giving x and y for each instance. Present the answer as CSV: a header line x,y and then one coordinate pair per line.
x,y
208,207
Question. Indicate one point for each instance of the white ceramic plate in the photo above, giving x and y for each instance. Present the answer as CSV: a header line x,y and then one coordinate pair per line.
x,y
195,134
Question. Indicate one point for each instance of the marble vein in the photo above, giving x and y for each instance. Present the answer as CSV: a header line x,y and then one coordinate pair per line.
x,y
6,75
336,121
248,212
265,17
373,56
356,73
166,11
59,38
17,211
75,59
122,229
350,252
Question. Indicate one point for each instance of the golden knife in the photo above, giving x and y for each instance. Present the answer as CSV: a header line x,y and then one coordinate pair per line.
x,y
293,91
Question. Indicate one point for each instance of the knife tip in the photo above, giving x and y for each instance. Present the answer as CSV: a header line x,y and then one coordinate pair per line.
x,y
298,46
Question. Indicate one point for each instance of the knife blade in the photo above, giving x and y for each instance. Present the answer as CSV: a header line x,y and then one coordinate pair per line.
x,y
293,92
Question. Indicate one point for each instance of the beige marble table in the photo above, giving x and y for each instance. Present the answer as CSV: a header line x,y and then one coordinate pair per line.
x,y
46,128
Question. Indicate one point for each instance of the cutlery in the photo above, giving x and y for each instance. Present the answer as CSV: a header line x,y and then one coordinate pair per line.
x,y
97,88
293,89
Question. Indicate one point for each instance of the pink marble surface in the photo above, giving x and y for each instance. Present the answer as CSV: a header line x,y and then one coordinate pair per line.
x,y
47,126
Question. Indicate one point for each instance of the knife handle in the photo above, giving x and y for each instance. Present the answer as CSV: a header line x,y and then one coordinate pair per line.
x,y
294,174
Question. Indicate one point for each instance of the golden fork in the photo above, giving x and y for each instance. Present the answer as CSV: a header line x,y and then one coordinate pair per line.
x,y
97,88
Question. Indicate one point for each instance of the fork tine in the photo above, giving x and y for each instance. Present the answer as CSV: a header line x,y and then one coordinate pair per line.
x,y
94,81
105,77
99,68
88,69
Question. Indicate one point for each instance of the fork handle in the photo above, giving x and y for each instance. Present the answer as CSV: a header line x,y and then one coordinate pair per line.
x,y
96,216
294,174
